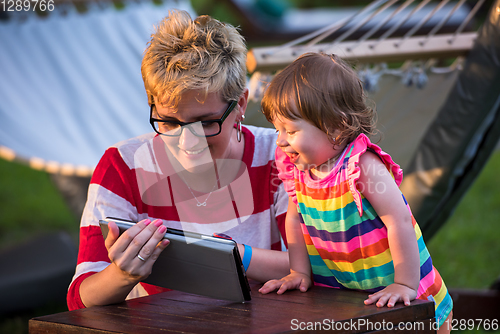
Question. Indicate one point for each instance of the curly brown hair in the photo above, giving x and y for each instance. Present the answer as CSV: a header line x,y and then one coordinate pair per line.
x,y
324,90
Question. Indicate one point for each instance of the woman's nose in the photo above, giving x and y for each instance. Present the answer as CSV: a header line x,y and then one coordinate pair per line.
x,y
187,139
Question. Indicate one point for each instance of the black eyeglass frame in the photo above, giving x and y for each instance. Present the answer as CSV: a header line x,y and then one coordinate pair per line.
x,y
232,105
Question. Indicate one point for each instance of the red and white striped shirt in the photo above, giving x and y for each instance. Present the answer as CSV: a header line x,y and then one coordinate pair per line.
x,y
134,180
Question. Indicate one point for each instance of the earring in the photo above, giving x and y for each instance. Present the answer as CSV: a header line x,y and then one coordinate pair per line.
x,y
238,131
238,128
333,142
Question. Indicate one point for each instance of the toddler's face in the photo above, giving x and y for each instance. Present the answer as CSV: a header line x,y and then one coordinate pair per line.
x,y
305,144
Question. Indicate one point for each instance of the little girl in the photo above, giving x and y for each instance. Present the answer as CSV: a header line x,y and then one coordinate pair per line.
x,y
347,219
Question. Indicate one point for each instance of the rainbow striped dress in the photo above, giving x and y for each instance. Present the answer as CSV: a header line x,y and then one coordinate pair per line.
x,y
346,239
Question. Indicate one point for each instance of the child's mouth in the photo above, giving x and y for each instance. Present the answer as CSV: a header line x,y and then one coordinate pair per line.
x,y
293,157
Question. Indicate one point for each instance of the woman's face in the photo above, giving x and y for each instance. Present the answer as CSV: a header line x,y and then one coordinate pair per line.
x,y
198,154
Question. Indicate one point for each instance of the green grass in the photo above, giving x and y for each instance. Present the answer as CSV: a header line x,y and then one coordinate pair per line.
x,y
30,204
465,250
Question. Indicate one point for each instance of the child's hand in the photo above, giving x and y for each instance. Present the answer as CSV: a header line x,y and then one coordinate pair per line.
x,y
391,295
292,281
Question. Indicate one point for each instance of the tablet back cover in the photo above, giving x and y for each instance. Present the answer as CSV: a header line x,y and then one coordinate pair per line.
x,y
197,264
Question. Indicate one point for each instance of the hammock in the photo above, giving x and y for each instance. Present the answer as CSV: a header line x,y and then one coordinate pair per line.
x,y
440,123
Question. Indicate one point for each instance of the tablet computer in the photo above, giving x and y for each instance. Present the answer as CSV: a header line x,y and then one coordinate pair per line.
x,y
196,263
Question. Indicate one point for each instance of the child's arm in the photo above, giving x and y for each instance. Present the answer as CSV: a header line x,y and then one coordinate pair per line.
x,y
300,267
379,188
266,264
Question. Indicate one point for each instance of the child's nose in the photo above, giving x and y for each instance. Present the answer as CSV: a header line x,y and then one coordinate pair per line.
x,y
281,142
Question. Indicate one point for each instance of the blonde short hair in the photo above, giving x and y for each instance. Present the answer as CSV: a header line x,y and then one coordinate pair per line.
x,y
324,90
204,54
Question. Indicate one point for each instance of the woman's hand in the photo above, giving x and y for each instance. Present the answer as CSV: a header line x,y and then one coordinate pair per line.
x,y
391,295
293,281
114,283
135,251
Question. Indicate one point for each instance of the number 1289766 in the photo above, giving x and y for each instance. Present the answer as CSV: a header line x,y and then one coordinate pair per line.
x,y
27,5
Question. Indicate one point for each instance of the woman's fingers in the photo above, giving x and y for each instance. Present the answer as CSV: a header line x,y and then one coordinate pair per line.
x,y
139,241
158,249
113,234
145,265
138,237
148,249
123,242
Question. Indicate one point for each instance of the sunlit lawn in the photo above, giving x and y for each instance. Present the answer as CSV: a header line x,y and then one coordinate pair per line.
x,y
466,249
29,205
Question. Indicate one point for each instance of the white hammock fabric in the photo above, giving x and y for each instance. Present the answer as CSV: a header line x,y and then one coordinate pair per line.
x,y
70,85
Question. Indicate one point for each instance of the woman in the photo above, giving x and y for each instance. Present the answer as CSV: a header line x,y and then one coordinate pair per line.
x,y
200,170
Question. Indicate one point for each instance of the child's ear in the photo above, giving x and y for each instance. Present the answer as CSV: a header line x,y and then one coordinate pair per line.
x,y
334,135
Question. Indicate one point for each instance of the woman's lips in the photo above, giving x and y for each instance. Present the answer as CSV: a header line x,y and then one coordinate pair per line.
x,y
194,153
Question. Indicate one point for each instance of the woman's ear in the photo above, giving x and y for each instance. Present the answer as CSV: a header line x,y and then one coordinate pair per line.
x,y
242,104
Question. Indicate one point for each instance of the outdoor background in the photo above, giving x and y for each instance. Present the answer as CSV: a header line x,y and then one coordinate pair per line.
x,y
465,251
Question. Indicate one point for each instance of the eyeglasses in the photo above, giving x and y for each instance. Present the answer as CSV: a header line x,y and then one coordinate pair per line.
x,y
207,128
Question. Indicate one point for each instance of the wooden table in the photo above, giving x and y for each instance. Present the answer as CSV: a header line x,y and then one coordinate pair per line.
x,y
318,309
